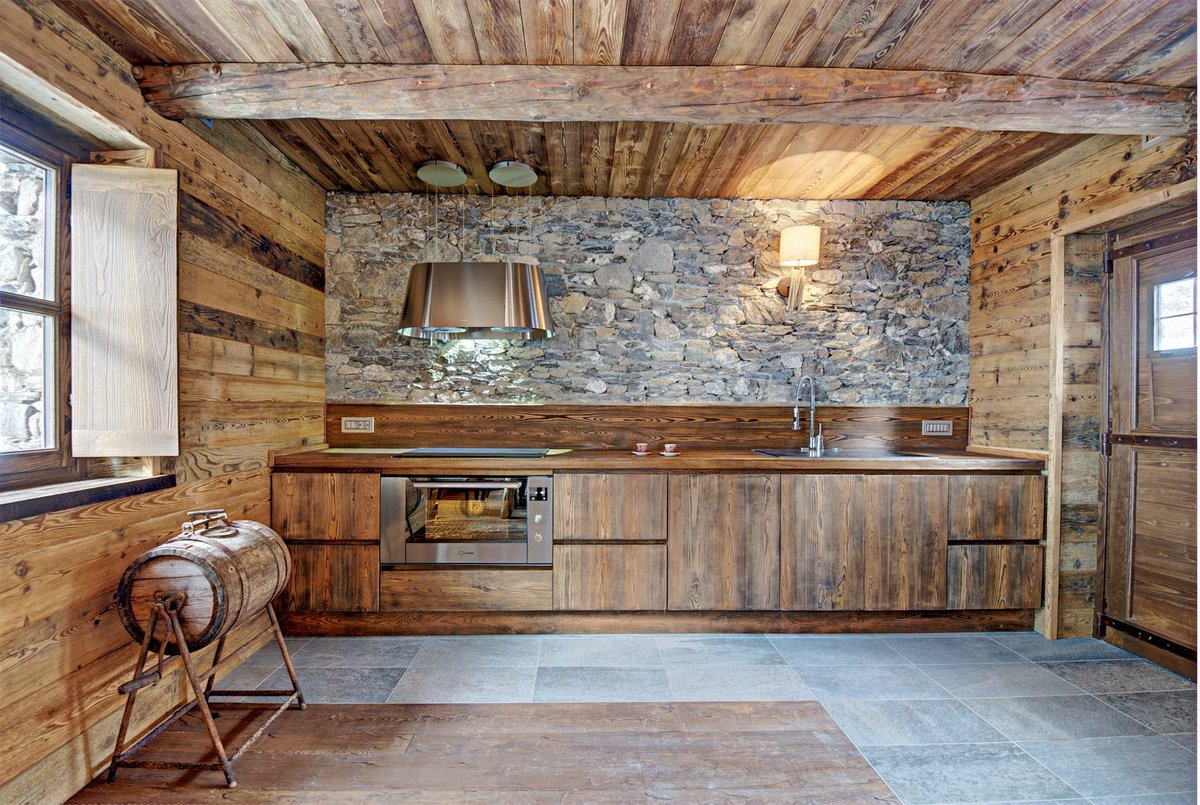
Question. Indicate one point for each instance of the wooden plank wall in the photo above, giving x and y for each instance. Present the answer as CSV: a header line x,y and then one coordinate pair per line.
x,y
251,343
1012,363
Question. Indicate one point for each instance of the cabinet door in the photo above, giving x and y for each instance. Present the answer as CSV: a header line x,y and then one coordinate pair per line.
x,y
723,542
863,542
997,507
994,577
616,506
333,577
325,505
610,577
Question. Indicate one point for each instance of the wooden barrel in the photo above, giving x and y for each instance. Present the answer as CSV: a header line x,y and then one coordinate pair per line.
x,y
226,574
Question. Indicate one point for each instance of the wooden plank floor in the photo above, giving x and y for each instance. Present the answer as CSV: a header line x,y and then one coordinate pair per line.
x,y
498,753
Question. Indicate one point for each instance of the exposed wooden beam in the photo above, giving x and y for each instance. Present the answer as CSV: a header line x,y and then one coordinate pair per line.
x,y
701,95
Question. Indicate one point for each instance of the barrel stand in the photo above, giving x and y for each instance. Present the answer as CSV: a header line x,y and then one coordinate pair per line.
x,y
166,609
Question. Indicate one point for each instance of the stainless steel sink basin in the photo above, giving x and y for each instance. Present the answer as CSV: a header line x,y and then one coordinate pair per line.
x,y
795,452
833,452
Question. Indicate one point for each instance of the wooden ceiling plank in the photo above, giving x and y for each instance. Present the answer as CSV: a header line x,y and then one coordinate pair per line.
x,y
399,29
250,28
549,30
799,28
596,156
455,140
360,152
1065,18
295,24
1161,61
115,23
556,157
378,156
896,29
647,37
314,138
284,136
930,146
769,144
848,158
1010,158
736,143
859,169
848,31
349,30
984,34
929,183
701,95
193,23
750,26
698,147
528,144
631,144
448,28
599,31
658,176
499,32
698,30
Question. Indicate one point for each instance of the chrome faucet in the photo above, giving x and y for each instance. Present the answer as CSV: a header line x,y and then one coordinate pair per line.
x,y
816,433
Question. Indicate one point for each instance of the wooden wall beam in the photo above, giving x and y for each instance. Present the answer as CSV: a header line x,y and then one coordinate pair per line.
x,y
677,94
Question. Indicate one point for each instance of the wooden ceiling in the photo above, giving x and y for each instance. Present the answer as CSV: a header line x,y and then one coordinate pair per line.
x,y
1135,41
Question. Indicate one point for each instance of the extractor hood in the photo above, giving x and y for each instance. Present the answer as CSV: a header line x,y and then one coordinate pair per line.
x,y
450,301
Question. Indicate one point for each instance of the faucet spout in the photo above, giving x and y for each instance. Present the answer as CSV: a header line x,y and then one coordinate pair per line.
x,y
816,439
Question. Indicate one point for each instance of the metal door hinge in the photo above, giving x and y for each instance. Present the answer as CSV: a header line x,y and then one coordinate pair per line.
x,y
1106,443
1108,261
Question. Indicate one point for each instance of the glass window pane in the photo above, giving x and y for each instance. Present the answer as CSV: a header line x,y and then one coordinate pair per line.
x,y
26,242
1178,332
26,381
1175,298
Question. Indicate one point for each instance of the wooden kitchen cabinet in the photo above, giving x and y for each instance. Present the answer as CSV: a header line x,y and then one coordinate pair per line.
x,y
992,576
330,522
723,542
624,576
610,506
997,507
863,542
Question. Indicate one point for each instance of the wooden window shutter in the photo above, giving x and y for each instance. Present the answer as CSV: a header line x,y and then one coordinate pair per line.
x,y
124,339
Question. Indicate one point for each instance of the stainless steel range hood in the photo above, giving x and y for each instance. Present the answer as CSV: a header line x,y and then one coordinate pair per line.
x,y
449,301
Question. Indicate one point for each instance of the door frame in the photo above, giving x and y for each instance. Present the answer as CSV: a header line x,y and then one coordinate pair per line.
x,y
1144,205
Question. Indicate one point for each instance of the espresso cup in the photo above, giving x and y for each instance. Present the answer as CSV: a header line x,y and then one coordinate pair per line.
x,y
642,447
670,447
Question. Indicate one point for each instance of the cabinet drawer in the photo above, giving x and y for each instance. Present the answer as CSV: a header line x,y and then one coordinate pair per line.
x,y
610,577
997,507
994,577
325,506
466,590
333,578
618,506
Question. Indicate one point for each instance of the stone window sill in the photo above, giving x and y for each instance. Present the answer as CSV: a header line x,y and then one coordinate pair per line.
x,y
37,500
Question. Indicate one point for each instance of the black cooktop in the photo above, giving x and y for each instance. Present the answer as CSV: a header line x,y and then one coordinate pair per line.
x,y
474,452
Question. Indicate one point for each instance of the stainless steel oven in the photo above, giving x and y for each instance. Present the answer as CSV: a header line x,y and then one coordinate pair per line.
x,y
476,520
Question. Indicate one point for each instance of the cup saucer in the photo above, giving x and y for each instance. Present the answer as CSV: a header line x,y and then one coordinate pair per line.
x,y
641,453
671,455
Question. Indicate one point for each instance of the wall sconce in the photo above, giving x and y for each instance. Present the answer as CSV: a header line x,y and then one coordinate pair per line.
x,y
799,246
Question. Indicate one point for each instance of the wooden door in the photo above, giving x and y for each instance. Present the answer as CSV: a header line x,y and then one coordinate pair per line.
x,y
723,542
863,542
1148,599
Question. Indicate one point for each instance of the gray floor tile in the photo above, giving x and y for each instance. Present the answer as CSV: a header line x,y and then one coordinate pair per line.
x,y
717,650
513,651
1182,798
869,682
1008,679
841,650
339,685
604,684
1162,711
1055,718
732,683
914,722
1118,676
466,685
600,650
1107,767
953,650
1185,739
1033,646
357,652
248,677
269,654
964,773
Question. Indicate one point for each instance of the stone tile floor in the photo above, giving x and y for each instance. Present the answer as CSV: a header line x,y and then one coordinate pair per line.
x,y
943,718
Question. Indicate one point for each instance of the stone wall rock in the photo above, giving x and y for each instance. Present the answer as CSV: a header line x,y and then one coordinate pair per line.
x,y
665,300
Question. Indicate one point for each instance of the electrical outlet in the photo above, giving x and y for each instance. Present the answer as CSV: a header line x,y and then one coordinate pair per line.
x,y
358,424
937,427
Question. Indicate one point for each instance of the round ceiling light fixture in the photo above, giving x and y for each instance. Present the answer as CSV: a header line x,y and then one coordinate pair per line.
x,y
511,173
440,173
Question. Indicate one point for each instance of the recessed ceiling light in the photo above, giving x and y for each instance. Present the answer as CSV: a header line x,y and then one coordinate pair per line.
x,y
440,173
511,173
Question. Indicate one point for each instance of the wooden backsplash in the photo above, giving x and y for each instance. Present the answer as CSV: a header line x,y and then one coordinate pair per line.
x,y
607,426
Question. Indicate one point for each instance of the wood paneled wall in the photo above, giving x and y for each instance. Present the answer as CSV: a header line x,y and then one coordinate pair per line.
x,y
1035,355
251,344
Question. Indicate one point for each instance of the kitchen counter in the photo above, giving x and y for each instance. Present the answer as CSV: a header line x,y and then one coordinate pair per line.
x,y
392,461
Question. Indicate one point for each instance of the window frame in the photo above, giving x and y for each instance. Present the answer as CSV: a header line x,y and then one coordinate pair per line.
x,y
49,465
1155,318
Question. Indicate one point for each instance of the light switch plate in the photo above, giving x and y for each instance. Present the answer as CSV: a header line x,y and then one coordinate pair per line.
x,y
937,427
358,424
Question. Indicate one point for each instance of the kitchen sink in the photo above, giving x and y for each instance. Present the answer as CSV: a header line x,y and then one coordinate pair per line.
x,y
833,452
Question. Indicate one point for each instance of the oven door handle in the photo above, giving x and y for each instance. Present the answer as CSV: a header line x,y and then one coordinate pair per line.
x,y
467,484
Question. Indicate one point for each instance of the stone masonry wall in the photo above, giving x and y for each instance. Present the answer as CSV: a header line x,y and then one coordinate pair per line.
x,y
663,300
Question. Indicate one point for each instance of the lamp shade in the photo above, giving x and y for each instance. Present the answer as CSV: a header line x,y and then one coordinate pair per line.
x,y
800,246
451,301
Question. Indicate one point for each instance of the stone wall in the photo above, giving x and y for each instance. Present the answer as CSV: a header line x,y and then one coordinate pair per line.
x,y
668,300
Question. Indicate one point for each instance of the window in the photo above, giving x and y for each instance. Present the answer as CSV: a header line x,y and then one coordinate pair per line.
x,y
1175,315
34,444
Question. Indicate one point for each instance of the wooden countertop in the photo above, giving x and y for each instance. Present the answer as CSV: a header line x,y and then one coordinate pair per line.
x,y
391,461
